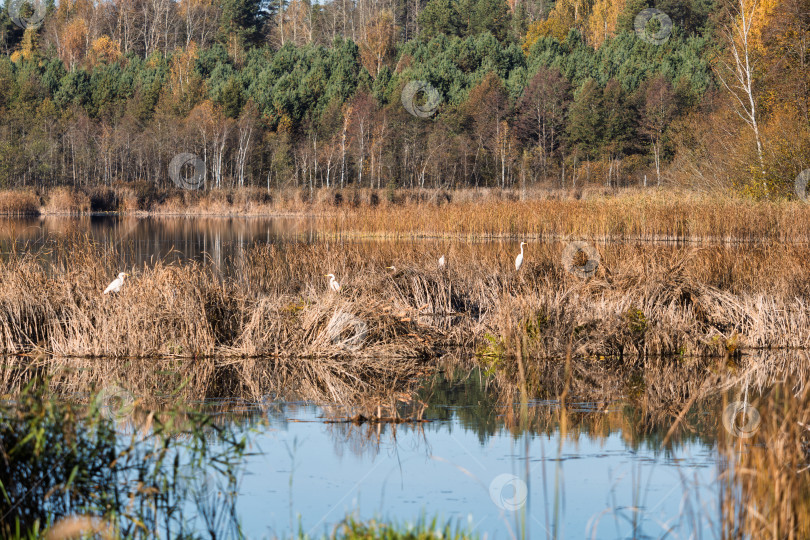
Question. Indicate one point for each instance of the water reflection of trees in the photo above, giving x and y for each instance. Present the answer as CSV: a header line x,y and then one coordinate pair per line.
x,y
221,241
644,405
465,401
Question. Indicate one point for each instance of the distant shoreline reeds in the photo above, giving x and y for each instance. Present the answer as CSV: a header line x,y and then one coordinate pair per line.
x,y
595,213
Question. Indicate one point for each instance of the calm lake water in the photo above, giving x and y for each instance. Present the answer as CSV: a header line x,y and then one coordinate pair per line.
x,y
213,240
469,465
598,480
143,240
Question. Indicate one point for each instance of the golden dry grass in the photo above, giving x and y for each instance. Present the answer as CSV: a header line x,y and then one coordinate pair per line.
x,y
646,216
18,203
594,213
63,200
598,214
628,214
643,301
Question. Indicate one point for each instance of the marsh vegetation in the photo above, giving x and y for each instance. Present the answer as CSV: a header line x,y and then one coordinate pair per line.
x,y
641,300
596,213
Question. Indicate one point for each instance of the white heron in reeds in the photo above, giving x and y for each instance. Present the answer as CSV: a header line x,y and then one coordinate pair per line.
x,y
519,258
116,284
442,261
334,285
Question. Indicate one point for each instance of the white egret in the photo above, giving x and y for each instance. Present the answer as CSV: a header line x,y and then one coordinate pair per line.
x,y
519,258
334,285
442,261
116,284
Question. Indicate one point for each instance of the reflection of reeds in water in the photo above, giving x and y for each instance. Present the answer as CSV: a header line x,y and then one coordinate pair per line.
x,y
218,240
765,479
33,230
156,383
661,403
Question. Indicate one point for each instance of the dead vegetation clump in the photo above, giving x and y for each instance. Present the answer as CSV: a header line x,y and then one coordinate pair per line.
x,y
642,302
651,301
19,203
63,200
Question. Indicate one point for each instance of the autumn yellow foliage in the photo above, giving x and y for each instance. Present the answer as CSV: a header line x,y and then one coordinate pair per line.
x,y
105,49
565,15
603,21
379,43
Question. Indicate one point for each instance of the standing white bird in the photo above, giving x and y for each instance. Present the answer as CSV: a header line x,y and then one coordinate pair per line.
x,y
519,258
334,285
442,261
116,284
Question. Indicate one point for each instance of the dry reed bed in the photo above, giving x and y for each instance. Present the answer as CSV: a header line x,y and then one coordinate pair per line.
x,y
185,311
599,214
59,200
651,216
18,203
63,200
642,301
595,213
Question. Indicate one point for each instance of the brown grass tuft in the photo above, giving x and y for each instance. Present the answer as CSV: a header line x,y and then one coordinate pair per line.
x,y
19,203
80,527
63,200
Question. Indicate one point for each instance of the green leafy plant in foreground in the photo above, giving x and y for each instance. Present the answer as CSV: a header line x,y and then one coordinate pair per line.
x,y
352,529
70,469
63,461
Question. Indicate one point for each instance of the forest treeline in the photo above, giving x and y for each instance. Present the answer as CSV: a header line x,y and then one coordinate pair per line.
x,y
295,93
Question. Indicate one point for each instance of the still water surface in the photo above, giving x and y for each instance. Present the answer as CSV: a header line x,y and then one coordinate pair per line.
x,y
144,240
600,479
